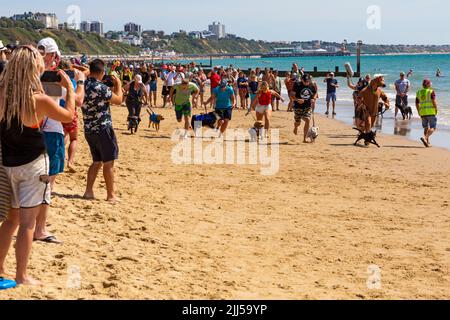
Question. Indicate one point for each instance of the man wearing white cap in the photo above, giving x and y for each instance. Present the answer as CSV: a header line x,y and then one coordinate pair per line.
x,y
2,52
54,137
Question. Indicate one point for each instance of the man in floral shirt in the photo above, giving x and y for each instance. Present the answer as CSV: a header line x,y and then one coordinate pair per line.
x,y
98,128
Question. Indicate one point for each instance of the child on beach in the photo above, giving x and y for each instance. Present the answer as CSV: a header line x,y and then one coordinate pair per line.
x,y
303,94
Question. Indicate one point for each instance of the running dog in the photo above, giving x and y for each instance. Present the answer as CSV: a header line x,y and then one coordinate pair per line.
x,y
256,132
369,138
155,120
313,134
208,120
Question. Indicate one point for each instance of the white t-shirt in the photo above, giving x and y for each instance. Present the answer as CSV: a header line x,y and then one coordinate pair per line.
x,y
170,80
51,125
180,78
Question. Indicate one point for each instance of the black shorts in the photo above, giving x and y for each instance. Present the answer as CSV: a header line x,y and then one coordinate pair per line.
x,y
225,114
103,145
166,90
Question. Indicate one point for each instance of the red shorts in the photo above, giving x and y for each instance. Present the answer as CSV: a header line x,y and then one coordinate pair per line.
x,y
71,126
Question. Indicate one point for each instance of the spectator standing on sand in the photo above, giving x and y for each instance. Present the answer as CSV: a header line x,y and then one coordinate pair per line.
x,y
402,87
23,107
277,89
332,85
98,128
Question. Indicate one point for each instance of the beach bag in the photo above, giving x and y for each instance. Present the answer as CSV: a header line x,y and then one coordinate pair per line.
x,y
5,192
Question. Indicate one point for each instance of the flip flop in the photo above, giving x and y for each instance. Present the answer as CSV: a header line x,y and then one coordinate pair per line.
x,y
49,239
7,284
425,143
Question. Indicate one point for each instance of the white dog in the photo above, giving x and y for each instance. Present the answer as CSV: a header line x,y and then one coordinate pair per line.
x,y
255,133
313,133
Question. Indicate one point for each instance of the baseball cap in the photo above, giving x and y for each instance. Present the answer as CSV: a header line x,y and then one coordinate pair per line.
x,y
48,45
223,83
306,77
331,73
139,78
402,73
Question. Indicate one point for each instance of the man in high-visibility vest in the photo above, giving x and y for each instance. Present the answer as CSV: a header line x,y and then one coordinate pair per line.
x,y
427,108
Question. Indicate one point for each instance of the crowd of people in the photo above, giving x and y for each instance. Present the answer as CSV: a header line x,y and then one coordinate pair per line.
x,y
36,127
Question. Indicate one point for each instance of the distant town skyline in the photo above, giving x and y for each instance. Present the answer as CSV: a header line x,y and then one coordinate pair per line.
x,y
399,22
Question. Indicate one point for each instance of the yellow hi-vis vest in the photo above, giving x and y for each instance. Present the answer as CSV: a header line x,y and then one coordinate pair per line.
x,y
426,106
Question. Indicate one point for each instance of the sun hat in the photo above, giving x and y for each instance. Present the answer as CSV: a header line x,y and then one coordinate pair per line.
x,y
49,45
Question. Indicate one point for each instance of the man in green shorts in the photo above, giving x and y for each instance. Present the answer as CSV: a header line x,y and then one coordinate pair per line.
x,y
180,95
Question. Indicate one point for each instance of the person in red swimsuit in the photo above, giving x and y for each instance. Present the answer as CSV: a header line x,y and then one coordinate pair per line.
x,y
262,104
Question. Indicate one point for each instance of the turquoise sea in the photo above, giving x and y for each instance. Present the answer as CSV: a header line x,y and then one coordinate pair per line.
x,y
424,66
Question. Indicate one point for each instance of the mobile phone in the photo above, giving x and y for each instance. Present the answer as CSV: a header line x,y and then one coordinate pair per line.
x,y
107,80
51,77
52,89
70,73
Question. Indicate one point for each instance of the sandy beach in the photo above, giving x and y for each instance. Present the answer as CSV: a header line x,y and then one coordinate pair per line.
x,y
227,232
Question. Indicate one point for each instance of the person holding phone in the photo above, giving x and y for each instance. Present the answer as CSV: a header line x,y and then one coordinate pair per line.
x,y
25,156
98,128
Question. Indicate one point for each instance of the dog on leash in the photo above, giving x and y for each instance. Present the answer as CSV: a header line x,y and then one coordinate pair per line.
x,y
155,120
256,132
204,120
313,134
407,112
369,138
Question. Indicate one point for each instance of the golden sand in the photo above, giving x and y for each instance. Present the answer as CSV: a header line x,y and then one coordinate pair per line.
x,y
227,232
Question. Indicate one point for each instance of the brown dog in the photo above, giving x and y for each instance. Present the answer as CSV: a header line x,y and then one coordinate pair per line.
x,y
155,120
367,111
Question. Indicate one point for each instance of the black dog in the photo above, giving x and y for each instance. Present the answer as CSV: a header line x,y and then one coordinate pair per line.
x,y
369,138
406,111
207,120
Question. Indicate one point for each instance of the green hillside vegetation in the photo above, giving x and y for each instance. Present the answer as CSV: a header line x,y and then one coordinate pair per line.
x,y
69,41
187,45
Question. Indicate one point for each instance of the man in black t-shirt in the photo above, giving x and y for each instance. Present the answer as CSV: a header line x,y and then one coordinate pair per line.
x,y
303,93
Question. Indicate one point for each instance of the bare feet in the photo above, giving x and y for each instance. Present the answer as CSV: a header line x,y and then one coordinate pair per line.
x,y
6,274
28,281
114,200
71,167
89,196
296,130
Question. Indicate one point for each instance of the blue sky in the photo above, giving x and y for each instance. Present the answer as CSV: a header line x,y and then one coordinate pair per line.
x,y
401,21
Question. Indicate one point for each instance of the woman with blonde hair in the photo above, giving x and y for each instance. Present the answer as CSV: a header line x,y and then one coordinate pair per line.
x,y
262,104
23,106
